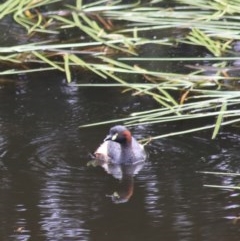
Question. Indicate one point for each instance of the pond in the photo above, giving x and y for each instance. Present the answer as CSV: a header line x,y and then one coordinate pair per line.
x,y
48,192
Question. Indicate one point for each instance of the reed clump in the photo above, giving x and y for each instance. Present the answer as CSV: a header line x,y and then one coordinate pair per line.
x,y
108,37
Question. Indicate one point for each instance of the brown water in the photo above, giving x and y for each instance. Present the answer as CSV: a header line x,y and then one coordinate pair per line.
x,y
47,191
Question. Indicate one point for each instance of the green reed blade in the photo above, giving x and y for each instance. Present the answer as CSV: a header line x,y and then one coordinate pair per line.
x,y
66,67
219,120
48,61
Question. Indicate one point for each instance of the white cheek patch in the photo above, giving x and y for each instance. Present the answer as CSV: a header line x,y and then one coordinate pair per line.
x,y
114,137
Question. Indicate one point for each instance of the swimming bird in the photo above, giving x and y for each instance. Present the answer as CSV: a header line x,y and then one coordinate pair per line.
x,y
120,147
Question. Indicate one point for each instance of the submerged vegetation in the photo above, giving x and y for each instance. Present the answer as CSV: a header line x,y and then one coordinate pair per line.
x,y
107,37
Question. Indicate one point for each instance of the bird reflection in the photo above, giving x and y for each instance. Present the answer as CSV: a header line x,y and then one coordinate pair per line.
x,y
123,172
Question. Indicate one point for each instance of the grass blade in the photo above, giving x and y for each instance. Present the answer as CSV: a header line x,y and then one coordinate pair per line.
x,y
219,120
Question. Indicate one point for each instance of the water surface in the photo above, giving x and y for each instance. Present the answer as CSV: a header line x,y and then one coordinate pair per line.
x,y
49,193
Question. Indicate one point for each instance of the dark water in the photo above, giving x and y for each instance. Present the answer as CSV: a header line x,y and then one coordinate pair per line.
x,y
47,192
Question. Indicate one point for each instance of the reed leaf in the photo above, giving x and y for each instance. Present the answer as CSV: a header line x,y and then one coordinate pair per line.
x,y
196,36
219,120
48,61
15,72
66,67
223,187
80,62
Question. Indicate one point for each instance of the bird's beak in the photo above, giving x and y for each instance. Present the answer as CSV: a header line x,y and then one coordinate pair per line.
x,y
111,137
108,138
